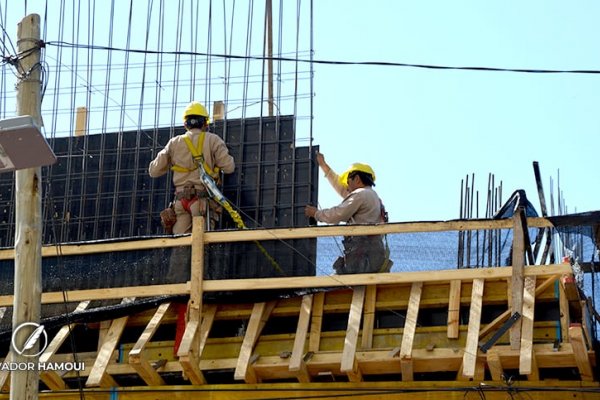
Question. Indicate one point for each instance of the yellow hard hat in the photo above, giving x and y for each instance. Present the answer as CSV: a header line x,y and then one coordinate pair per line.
x,y
366,168
195,108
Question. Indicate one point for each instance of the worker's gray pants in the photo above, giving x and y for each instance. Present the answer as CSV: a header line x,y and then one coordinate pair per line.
x,y
362,254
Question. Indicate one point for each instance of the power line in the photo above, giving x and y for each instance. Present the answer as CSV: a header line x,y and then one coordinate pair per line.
x,y
328,62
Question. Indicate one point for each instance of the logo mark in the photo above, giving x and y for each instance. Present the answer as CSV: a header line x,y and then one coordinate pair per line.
x,y
36,334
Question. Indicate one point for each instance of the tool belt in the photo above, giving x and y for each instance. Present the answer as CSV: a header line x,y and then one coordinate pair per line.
x,y
189,192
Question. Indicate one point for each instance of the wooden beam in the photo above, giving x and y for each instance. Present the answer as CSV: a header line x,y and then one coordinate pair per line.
x,y
581,353
218,110
81,121
51,378
281,234
297,363
296,282
454,309
190,364
193,343
197,267
526,361
506,314
471,347
98,375
314,340
517,278
408,333
369,317
348,363
112,246
136,356
258,319
535,371
108,293
210,312
495,365
565,317
5,373
351,280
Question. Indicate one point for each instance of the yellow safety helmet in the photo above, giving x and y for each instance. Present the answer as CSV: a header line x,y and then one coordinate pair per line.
x,y
366,168
195,108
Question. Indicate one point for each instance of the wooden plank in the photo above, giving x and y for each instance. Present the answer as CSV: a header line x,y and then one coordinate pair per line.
x,y
145,370
369,317
197,267
294,282
495,365
506,314
107,293
51,378
94,248
314,340
81,121
98,375
282,234
258,319
102,332
565,316
218,110
454,309
5,373
210,312
348,363
297,363
526,355
535,371
150,330
136,356
581,352
351,280
471,347
408,333
570,287
518,276
190,363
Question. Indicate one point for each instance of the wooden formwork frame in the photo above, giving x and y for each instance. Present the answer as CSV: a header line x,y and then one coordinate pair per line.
x,y
305,361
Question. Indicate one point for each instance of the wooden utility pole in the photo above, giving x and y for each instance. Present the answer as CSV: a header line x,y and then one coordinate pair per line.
x,y
28,215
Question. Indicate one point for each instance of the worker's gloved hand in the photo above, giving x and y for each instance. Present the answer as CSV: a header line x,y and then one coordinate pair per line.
x,y
168,219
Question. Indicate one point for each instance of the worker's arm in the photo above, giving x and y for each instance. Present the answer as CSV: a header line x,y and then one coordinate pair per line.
x,y
161,164
340,213
331,176
221,156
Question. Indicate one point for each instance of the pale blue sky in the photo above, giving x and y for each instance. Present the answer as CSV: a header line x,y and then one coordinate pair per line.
x,y
422,130
425,130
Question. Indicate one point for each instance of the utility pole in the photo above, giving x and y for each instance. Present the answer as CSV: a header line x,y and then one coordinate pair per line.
x,y
28,214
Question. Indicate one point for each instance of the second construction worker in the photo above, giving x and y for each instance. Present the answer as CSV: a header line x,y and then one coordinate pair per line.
x,y
361,205
183,154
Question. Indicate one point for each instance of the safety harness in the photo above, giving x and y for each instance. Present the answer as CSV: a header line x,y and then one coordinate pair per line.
x,y
215,194
198,157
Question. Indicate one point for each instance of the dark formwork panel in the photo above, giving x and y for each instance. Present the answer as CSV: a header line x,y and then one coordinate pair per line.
x,y
100,188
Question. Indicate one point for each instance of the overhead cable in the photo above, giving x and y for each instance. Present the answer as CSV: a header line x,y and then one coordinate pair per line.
x,y
330,62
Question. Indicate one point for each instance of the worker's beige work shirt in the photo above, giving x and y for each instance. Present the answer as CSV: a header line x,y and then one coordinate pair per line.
x,y
361,206
176,152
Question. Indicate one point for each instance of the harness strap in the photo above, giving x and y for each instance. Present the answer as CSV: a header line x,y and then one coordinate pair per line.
x,y
197,156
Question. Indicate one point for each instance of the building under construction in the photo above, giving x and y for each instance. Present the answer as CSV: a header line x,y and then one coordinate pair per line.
x,y
495,309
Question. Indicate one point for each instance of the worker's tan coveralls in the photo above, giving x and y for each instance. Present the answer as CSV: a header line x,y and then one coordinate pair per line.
x,y
176,152
362,254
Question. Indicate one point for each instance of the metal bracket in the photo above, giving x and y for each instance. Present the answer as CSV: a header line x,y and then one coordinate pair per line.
x,y
505,326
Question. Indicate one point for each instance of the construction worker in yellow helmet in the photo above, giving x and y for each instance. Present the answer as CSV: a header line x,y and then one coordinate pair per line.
x,y
361,205
184,154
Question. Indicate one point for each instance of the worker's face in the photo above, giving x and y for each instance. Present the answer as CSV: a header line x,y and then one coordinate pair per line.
x,y
353,182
